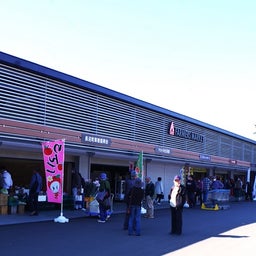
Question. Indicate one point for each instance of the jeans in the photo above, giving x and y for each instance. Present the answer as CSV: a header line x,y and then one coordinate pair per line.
x,y
134,220
103,211
205,195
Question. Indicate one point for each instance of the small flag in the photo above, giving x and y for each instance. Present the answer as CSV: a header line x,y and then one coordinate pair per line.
x,y
139,166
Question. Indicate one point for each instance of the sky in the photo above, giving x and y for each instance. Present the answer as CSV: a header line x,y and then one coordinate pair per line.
x,y
194,57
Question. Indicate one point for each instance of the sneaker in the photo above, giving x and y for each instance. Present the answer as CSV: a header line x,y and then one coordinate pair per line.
x,y
101,221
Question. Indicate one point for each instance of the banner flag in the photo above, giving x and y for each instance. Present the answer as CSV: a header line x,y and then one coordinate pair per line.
x,y
254,189
248,179
139,166
53,153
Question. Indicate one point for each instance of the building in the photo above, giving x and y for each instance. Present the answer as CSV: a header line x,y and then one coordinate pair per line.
x,y
105,130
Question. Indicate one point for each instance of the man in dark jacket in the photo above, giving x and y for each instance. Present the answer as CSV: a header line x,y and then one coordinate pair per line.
x,y
129,183
136,196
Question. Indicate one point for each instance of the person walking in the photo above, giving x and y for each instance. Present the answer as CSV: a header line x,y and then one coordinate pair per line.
x,y
136,195
177,198
149,194
104,186
35,187
129,183
159,191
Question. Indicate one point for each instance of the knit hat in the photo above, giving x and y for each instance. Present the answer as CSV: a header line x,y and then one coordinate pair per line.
x,y
177,177
103,176
133,173
138,183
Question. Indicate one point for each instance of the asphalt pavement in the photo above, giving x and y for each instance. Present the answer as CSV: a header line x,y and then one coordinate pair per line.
x,y
205,232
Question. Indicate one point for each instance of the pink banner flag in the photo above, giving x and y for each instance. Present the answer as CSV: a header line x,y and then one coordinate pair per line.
x,y
53,152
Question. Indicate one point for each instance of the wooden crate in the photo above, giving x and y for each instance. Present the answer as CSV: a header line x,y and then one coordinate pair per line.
x,y
3,199
3,209
12,209
21,209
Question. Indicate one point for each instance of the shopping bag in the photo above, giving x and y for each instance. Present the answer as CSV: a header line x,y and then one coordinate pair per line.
x,y
186,205
143,210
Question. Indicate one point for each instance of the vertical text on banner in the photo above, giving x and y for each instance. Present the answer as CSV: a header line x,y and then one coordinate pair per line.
x,y
53,153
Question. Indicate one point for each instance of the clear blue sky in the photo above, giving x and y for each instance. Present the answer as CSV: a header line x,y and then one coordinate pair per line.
x,y
194,57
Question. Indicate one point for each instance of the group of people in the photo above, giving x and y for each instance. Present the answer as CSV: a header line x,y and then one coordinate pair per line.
x,y
136,193
198,190
35,186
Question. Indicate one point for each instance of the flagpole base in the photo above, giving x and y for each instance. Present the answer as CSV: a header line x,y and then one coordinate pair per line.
x,y
61,219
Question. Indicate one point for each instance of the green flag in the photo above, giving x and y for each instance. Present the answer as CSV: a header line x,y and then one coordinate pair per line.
x,y
139,166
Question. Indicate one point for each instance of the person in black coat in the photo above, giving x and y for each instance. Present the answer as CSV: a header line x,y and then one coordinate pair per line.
x,y
135,197
177,198
35,187
129,183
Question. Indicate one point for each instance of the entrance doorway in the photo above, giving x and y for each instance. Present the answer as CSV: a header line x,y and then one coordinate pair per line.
x,y
116,176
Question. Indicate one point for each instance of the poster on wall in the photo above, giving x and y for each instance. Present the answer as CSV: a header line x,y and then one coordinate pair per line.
x,y
53,154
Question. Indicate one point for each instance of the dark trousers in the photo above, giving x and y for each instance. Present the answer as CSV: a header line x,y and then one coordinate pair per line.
x,y
176,220
126,217
33,202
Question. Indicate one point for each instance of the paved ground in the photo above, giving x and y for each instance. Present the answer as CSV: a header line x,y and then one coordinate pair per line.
x,y
205,232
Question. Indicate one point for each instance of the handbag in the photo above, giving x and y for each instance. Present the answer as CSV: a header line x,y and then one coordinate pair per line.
x,y
107,203
101,195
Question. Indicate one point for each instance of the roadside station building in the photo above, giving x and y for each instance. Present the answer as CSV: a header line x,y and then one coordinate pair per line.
x,y
105,130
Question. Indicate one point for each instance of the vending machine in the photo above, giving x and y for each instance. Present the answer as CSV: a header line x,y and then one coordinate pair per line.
x,y
120,190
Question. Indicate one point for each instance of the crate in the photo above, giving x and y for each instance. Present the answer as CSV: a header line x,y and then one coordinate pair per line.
x,y
3,199
3,209
12,209
21,209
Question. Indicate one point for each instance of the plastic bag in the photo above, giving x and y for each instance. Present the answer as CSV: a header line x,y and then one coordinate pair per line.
x,y
143,210
186,205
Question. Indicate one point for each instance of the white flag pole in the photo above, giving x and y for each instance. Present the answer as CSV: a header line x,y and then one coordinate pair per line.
x,y
61,218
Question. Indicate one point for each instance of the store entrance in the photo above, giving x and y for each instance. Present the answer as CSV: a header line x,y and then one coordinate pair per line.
x,y
116,176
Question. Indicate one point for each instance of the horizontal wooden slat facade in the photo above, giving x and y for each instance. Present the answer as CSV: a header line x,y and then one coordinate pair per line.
x,y
36,99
